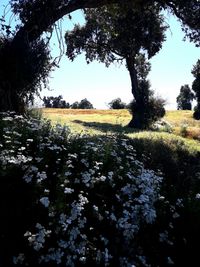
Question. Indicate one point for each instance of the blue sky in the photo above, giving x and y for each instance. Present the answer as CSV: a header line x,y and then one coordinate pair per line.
x,y
171,68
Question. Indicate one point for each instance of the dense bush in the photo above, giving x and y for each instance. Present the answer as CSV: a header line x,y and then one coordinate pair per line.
x,y
150,110
55,102
117,104
85,104
75,201
196,114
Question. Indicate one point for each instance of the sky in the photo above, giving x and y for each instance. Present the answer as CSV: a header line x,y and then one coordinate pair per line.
x,y
170,69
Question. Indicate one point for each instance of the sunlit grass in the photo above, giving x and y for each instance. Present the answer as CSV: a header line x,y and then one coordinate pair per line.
x,y
95,122
169,139
89,121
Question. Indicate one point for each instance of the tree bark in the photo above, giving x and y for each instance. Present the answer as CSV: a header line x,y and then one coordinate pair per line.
x,y
137,120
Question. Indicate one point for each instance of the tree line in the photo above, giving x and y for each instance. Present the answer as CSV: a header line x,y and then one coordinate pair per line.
x,y
59,102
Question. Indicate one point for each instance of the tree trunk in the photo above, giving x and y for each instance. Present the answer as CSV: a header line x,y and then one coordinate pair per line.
x,y
9,100
10,94
138,115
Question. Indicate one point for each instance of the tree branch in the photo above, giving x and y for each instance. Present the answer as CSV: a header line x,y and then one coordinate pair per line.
x,y
52,11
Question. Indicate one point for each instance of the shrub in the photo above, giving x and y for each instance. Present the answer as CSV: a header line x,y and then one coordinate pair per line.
x,y
81,201
117,104
162,126
196,114
85,104
78,198
150,111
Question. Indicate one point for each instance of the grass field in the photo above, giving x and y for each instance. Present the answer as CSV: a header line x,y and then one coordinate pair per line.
x,y
185,129
101,121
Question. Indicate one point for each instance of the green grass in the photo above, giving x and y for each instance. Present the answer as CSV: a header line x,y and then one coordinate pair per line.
x,y
95,122
89,121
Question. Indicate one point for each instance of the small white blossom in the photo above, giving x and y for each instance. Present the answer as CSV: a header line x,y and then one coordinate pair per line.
x,y
45,201
197,196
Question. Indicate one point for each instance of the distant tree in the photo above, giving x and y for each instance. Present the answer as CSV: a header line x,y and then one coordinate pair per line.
x,y
184,99
75,105
47,102
55,102
85,104
196,89
117,104
64,104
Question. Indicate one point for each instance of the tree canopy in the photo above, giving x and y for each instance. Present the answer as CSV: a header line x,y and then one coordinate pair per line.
x,y
185,98
116,33
37,16
117,104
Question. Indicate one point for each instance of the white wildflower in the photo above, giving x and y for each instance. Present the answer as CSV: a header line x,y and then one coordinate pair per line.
x,y
45,201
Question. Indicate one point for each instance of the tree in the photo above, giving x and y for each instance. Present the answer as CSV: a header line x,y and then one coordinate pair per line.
x,y
75,105
115,34
55,102
117,104
39,16
185,98
22,73
85,104
47,102
196,88
64,104
152,108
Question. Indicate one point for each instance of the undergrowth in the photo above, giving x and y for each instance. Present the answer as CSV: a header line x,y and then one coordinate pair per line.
x,y
77,200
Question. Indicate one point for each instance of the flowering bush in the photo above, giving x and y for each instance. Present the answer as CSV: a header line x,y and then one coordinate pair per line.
x,y
79,200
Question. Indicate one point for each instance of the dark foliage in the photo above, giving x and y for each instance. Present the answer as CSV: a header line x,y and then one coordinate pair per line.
x,y
184,99
83,104
23,70
196,114
148,111
117,104
196,89
180,169
55,102
75,105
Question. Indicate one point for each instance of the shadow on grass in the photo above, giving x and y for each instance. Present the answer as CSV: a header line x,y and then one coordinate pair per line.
x,y
106,127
